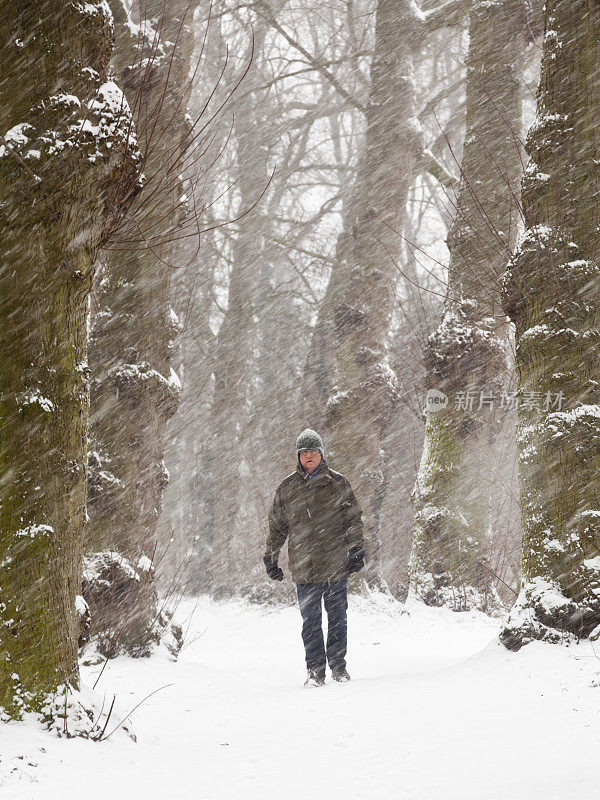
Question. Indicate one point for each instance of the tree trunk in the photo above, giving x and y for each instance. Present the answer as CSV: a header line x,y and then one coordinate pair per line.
x,y
134,389
234,351
467,357
364,293
68,168
185,524
552,294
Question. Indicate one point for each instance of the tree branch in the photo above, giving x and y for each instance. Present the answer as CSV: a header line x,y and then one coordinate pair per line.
x,y
317,63
446,15
438,170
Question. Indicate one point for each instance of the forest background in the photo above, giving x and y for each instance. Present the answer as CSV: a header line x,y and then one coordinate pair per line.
x,y
225,222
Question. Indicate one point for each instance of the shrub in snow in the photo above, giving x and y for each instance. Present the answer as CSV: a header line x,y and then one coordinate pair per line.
x,y
269,594
83,713
118,595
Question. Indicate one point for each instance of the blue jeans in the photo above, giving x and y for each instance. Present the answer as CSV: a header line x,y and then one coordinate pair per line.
x,y
335,597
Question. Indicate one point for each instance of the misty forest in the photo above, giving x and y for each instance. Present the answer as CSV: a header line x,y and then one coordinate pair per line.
x,y
300,304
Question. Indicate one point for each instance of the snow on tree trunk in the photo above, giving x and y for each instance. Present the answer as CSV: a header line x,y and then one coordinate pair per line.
x,y
68,168
364,390
467,357
134,388
356,379
552,294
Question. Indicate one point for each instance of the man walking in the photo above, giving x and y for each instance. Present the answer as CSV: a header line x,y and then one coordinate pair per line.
x,y
315,509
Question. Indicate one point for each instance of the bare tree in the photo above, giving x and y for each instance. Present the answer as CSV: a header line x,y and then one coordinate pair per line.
x,y
309,78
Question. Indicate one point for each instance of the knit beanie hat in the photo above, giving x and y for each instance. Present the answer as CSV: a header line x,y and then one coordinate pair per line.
x,y
309,440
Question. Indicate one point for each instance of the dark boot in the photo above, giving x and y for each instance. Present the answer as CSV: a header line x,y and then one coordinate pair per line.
x,y
340,674
315,677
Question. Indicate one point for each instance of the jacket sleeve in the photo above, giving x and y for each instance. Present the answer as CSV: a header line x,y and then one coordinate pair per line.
x,y
278,528
352,513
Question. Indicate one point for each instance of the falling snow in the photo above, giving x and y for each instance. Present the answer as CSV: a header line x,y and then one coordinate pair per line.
x,y
226,224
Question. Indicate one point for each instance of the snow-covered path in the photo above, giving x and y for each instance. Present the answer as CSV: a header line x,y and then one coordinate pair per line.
x,y
436,710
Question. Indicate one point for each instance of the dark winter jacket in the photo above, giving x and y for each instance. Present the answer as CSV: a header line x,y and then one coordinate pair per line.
x,y
321,519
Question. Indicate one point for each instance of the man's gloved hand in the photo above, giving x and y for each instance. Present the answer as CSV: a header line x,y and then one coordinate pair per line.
x,y
273,571
356,560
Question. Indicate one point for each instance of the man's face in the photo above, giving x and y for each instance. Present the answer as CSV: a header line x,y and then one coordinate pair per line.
x,y
310,460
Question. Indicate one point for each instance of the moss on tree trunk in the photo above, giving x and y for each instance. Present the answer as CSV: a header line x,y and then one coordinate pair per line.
x,y
552,294
68,167
467,356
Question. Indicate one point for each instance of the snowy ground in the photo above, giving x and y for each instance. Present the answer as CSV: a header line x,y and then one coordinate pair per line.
x,y
436,710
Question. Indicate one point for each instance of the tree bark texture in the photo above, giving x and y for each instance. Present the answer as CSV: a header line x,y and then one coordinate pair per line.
x,y
552,294
467,358
68,168
363,289
134,389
